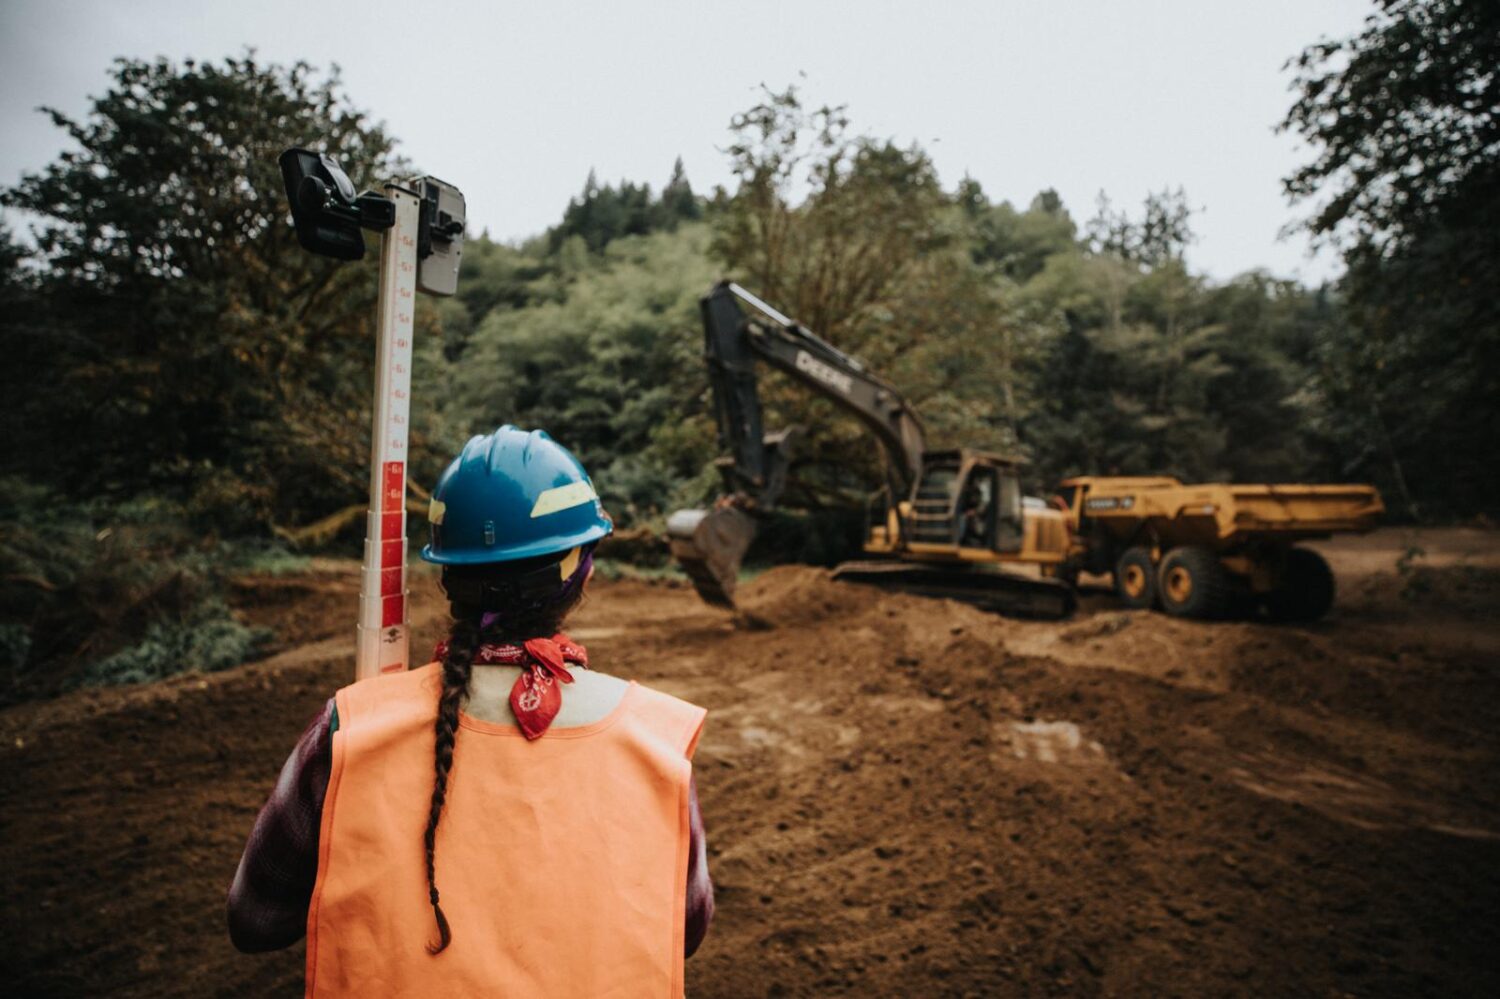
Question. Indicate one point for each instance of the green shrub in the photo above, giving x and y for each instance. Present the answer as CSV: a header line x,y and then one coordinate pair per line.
x,y
266,559
15,648
208,639
101,591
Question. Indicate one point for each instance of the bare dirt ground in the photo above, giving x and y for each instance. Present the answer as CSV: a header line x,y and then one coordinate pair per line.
x,y
903,797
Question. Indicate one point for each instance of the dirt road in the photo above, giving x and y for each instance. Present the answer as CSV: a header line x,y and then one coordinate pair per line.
x,y
903,797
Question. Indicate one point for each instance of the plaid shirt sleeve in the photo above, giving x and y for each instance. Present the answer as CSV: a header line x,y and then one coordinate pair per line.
x,y
273,887
274,884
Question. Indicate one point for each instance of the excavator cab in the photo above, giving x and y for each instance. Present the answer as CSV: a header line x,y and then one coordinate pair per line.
x,y
978,511
967,503
990,509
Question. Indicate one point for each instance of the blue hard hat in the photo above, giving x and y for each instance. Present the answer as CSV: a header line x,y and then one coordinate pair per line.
x,y
511,495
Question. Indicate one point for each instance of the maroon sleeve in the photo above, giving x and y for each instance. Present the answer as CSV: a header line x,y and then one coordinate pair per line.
x,y
700,888
274,884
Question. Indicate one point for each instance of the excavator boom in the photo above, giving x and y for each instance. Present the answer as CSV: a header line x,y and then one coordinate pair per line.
x,y
710,544
734,343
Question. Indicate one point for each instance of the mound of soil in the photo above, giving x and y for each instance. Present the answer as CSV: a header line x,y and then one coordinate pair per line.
x,y
903,797
792,595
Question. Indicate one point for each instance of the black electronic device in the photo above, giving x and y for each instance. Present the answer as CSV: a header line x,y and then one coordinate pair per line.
x,y
328,215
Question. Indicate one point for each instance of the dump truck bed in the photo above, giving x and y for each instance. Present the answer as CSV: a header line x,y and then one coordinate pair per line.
x,y
1220,515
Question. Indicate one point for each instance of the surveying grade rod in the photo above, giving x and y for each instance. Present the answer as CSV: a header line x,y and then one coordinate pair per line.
x,y
421,230
383,630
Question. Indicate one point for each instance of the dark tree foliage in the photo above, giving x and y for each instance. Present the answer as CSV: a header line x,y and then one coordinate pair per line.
x,y
189,346
678,203
1270,329
179,369
1145,368
601,215
824,223
1405,120
1161,234
1405,117
166,309
1017,243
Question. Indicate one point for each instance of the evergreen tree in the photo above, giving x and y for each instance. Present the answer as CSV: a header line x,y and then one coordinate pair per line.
x,y
678,203
601,215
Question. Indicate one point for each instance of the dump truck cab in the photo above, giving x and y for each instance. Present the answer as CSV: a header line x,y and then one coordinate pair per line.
x,y
1081,497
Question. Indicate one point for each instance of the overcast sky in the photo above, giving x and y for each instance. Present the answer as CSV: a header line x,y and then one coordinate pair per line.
x,y
515,102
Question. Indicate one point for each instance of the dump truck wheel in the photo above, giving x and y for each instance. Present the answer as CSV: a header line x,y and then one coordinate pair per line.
x,y
1135,579
1193,583
1305,590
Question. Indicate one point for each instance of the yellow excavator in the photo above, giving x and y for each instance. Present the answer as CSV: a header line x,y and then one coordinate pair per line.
x,y
946,523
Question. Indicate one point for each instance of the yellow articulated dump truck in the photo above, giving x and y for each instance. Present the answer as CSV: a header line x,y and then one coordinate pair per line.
x,y
1206,550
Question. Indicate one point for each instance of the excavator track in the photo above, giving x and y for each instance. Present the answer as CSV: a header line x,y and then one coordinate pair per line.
x,y
998,592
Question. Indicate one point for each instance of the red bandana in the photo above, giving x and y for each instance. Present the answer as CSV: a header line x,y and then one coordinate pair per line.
x,y
535,698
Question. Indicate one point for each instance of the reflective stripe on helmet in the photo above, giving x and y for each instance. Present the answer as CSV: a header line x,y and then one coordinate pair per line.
x,y
564,498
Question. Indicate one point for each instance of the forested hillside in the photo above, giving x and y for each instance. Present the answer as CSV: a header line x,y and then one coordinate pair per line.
x,y
1088,345
188,389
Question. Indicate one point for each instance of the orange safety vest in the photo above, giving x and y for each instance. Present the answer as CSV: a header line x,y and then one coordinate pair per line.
x,y
562,862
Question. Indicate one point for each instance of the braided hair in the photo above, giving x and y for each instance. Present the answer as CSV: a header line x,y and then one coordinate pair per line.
x,y
475,624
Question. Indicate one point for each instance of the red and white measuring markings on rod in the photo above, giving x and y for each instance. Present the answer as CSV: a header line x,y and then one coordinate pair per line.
x,y
383,632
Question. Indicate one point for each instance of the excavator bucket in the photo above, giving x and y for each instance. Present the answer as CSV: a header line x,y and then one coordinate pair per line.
x,y
709,545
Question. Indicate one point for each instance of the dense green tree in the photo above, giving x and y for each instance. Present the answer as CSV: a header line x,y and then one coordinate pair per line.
x,y
1092,351
162,313
1264,401
1404,119
962,344
1151,370
601,215
1125,385
1017,243
612,369
495,277
187,334
824,223
678,203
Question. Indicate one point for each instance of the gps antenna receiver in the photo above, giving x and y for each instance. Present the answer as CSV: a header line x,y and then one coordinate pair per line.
x,y
326,211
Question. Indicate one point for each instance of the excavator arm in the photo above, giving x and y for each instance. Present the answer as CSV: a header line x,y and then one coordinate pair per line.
x,y
709,544
733,343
